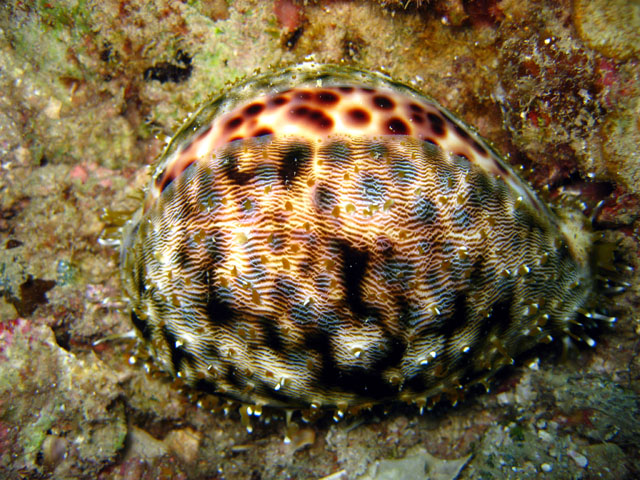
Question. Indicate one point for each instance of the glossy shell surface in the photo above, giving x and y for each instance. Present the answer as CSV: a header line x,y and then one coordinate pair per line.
x,y
327,237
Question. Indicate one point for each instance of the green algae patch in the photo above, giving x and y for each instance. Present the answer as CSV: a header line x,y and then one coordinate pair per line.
x,y
32,436
51,39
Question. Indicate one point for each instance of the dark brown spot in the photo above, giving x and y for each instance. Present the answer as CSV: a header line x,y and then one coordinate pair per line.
x,y
417,383
477,270
294,160
301,111
346,89
234,377
362,381
437,124
321,120
319,341
206,386
392,353
460,154
367,90
317,117
457,321
478,148
358,116
501,167
461,131
277,101
453,323
303,95
229,166
138,271
500,315
397,126
417,118
141,325
416,108
262,132
431,141
237,137
178,353
326,98
217,309
354,269
271,334
383,102
254,109
233,124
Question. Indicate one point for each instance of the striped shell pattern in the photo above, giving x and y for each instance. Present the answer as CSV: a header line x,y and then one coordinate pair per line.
x,y
324,236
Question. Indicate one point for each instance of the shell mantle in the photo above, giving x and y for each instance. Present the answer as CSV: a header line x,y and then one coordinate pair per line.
x,y
325,236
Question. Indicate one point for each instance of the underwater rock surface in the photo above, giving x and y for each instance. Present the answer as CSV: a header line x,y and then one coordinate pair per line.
x,y
78,124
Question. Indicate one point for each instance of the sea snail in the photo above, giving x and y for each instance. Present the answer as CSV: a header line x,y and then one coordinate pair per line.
x,y
324,236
